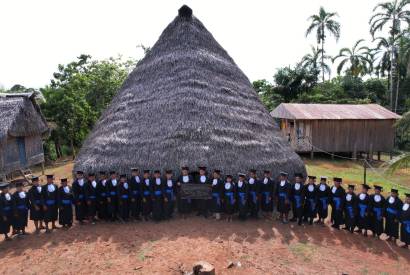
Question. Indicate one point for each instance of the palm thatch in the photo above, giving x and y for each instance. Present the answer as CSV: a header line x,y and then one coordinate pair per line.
x,y
187,104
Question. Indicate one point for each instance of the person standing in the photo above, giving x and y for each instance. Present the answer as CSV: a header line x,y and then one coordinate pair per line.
x,y
91,192
184,203
112,198
324,196
297,196
266,191
50,198
170,194
22,202
338,197
147,195
158,197
216,189
363,210
405,222
202,204
78,186
350,209
242,194
102,194
123,191
254,192
7,210
377,204
36,204
135,194
229,197
283,192
311,199
392,209
66,201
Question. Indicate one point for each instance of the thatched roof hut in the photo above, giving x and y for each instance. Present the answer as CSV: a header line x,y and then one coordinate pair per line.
x,y
22,128
187,103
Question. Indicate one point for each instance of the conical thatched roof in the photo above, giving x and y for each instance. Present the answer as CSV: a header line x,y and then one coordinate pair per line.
x,y
187,103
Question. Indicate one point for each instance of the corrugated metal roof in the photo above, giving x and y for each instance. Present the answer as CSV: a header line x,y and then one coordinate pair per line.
x,y
332,111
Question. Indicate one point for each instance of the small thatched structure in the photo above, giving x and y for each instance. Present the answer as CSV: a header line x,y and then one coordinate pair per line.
x,y
187,103
22,127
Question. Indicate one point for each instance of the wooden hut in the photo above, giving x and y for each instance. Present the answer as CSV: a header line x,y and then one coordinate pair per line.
x,y
22,129
335,128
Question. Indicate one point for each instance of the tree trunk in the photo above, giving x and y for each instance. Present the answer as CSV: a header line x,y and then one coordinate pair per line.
x,y
323,64
393,77
72,147
397,93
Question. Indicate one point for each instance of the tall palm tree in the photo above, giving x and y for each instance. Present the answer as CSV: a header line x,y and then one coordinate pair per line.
x,y
322,23
355,58
392,13
313,61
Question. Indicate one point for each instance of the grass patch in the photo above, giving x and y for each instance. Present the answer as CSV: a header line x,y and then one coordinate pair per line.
x,y
303,250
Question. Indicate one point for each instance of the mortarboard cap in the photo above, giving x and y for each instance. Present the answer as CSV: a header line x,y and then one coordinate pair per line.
x,y
146,171
335,179
323,178
365,186
351,186
91,174
64,180
283,174
241,175
157,172
312,177
217,171
113,173
80,173
202,168
266,172
185,168
377,187
50,176
34,178
299,175
407,195
19,184
168,171
103,172
394,190
3,185
123,176
229,176
134,169
252,170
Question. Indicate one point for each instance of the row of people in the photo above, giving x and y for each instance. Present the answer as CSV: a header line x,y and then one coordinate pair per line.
x,y
155,197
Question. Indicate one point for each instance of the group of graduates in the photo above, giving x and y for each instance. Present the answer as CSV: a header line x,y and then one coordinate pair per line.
x,y
154,196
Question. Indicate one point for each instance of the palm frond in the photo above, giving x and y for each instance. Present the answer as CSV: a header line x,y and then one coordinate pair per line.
x,y
402,161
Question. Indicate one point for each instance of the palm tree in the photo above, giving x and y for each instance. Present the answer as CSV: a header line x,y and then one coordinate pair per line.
x,y
314,62
322,23
356,58
403,129
392,13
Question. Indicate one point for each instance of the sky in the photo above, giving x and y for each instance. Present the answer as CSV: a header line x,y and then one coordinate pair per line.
x,y
261,36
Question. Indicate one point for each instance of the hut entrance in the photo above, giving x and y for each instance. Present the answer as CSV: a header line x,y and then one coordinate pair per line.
x,y
22,150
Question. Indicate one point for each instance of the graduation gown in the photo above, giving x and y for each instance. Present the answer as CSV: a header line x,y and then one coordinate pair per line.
x,y
123,192
377,204
102,194
91,191
136,196
169,189
22,203
202,204
253,199
363,210
283,192
147,197
185,204
36,203
112,198
7,210
66,201
338,199
405,224
229,197
266,191
242,194
392,211
350,211
50,198
216,189
158,195
324,197
80,199
311,200
297,196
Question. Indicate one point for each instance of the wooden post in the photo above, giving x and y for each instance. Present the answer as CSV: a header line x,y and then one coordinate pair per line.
x,y
378,155
355,151
364,172
312,154
391,155
42,168
333,155
371,151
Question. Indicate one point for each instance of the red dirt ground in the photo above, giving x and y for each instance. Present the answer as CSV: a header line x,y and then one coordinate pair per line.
x,y
261,247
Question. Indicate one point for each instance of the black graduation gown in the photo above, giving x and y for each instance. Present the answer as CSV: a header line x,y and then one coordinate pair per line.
x,y
36,203
253,199
91,191
311,200
350,211
102,194
51,202
22,203
392,211
80,200
266,191
158,195
405,224
229,197
66,201
242,195
377,214
147,197
170,195
216,189
202,204
7,210
185,204
298,200
338,198
123,192
136,196
363,210
283,197
324,198
112,198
